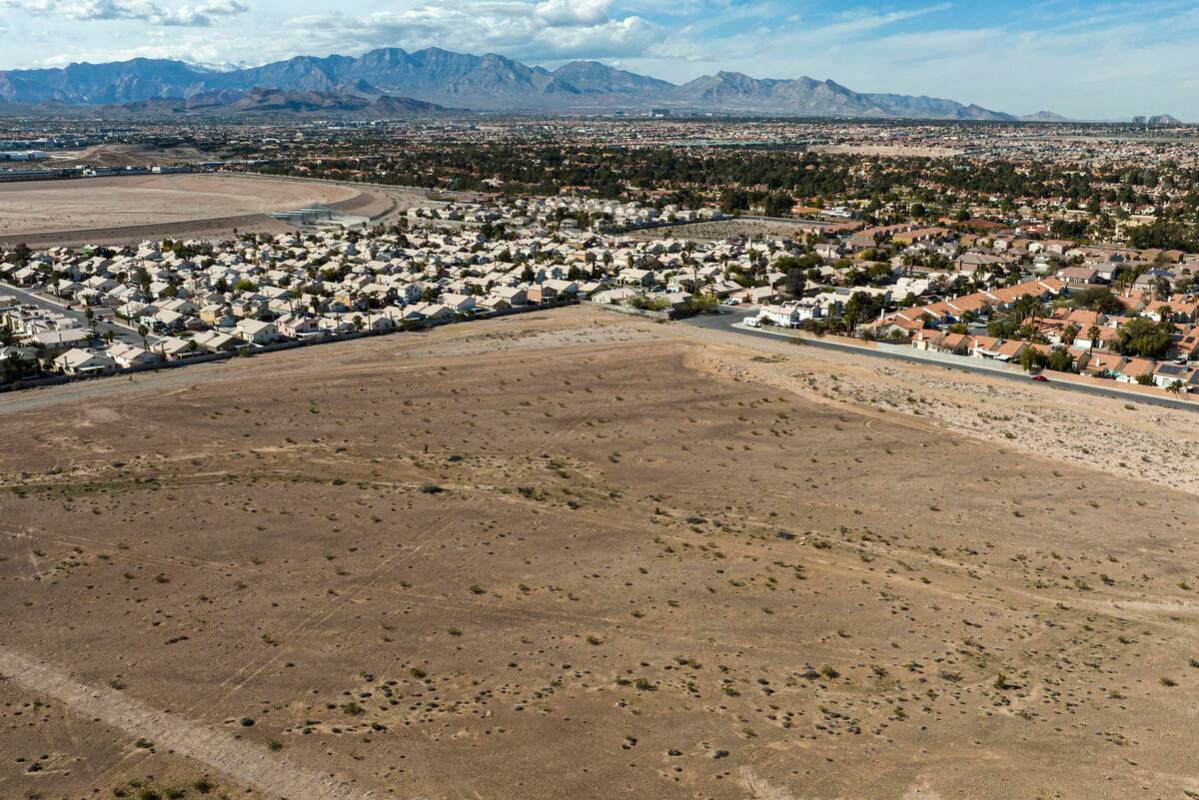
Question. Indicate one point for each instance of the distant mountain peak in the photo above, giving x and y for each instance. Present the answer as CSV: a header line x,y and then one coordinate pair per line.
x,y
488,82
1044,116
265,101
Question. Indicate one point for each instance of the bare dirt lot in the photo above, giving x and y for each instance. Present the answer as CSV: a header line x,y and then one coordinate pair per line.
x,y
888,150
575,554
105,206
717,231
127,155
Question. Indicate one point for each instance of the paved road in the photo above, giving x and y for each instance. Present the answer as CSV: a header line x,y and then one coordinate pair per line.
x,y
730,317
103,325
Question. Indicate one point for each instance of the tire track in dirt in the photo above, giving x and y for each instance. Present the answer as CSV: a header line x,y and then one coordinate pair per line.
x,y
759,788
240,760
235,682
254,667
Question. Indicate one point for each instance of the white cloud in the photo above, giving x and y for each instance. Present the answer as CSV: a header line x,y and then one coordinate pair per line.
x,y
200,17
537,31
142,10
108,9
573,12
1084,60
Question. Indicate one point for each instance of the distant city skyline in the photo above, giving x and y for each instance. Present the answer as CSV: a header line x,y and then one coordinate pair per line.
x,y
1085,59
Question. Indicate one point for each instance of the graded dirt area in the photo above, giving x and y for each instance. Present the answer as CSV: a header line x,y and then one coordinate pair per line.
x,y
127,155
888,150
574,554
105,207
719,230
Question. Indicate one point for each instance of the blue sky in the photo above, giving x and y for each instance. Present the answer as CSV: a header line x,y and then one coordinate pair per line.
x,y
1091,60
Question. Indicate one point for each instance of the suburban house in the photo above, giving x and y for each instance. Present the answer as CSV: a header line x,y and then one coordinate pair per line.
x,y
215,341
255,331
84,362
1134,368
1078,277
128,356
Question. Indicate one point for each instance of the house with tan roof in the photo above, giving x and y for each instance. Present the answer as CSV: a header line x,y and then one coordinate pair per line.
x,y
77,361
985,347
1134,368
976,303
1078,277
1010,350
960,344
1103,364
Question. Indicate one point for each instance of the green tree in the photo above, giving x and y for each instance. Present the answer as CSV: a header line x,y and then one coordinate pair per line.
x,y
702,304
795,283
1060,360
779,204
861,307
1033,359
11,368
1144,338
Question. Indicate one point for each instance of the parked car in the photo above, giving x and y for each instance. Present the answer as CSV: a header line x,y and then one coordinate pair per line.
x,y
1040,379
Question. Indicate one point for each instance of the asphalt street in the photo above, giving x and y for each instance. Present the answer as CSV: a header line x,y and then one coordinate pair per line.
x,y
729,317
103,325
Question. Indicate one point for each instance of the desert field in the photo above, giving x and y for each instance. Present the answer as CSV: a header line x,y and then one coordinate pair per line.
x,y
717,231
128,155
578,554
105,206
888,150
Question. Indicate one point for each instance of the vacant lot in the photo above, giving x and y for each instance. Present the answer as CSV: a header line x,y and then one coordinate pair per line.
x,y
127,155
105,206
716,231
573,554
888,150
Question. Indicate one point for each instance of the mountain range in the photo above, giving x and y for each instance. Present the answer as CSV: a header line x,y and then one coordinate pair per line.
x,y
487,83
260,102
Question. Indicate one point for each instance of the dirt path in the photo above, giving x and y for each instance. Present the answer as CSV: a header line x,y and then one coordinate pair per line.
x,y
240,760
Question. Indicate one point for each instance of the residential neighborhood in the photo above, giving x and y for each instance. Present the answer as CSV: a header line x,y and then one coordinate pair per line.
x,y
1041,303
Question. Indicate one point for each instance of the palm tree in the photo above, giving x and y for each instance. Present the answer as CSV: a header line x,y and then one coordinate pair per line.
x,y
142,331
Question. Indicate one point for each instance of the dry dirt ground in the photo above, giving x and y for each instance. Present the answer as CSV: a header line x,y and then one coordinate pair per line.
x,y
576,554
717,231
1125,439
888,150
127,155
109,204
